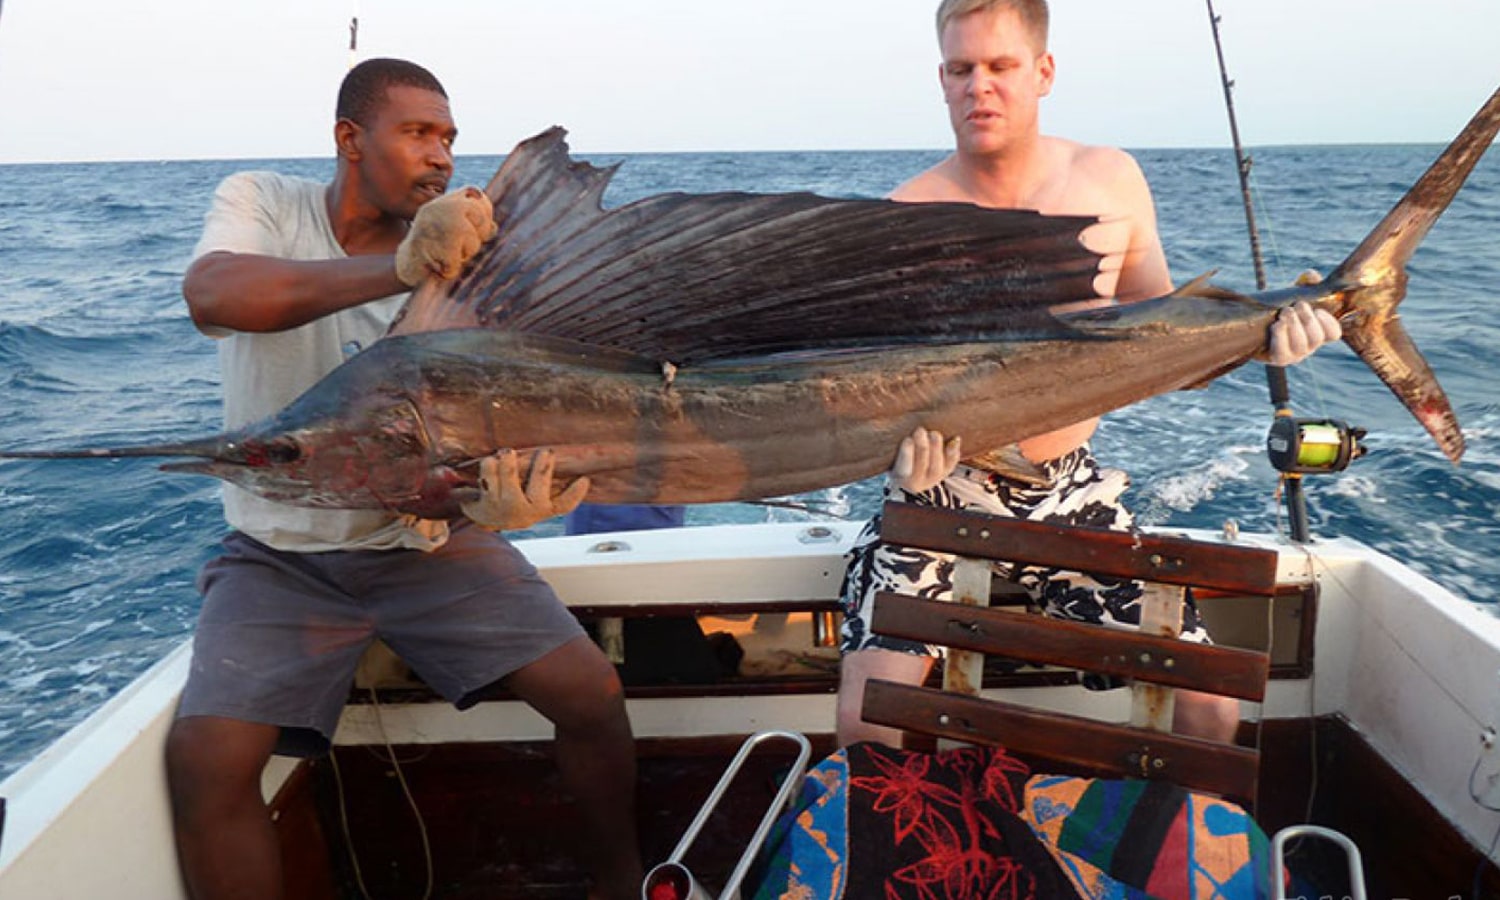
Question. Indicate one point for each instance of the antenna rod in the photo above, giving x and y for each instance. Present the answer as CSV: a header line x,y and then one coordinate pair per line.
x,y
1296,503
353,35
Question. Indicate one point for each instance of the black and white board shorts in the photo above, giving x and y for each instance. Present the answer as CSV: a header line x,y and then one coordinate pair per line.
x,y
1077,492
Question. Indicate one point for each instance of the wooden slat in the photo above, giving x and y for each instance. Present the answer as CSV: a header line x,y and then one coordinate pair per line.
x,y
1228,671
1072,741
1100,551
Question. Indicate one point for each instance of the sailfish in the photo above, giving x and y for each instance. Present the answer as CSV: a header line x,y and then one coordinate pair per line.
x,y
693,348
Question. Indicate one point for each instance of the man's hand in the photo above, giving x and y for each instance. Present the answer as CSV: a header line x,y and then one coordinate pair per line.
x,y
923,460
1297,332
446,233
504,506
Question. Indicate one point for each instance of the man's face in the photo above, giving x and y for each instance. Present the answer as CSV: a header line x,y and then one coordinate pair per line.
x,y
993,75
406,152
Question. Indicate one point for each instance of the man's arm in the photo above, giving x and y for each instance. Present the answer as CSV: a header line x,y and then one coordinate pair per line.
x,y
287,293
256,292
1298,330
1143,271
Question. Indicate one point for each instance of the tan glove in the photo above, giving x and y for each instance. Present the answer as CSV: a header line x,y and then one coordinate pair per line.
x,y
923,460
1299,330
504,506
446,233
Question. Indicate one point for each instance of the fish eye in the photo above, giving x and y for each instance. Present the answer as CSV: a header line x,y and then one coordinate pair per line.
x,y
284,450
257,454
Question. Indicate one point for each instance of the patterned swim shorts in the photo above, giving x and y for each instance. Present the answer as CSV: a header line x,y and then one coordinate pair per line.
x,y
1078,492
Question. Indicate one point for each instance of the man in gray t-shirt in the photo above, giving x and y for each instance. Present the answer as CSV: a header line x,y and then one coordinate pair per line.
x,y
292,277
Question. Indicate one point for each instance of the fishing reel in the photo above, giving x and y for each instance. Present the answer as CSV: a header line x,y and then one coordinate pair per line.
x,y
1304,446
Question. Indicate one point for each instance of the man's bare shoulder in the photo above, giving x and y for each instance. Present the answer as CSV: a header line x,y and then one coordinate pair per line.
x,y
934,185
1105,166
1094,180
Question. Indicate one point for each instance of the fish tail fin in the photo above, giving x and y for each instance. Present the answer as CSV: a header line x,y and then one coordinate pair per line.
x,y
1373,282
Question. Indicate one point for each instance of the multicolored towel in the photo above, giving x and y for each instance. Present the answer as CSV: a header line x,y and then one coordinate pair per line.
x,y
874,823
1139,839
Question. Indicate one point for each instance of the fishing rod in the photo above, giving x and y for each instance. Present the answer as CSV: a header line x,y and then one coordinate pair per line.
x,y
1295,446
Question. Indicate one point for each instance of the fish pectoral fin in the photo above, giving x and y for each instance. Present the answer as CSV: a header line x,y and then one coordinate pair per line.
x,y
1010,462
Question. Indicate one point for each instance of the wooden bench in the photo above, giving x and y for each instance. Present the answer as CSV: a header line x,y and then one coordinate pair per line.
x,y
1154,659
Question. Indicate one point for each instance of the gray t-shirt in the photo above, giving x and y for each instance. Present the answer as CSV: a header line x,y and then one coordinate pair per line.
x,y
273,215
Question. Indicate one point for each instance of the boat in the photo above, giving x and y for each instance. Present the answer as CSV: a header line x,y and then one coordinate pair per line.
x,y
1379,721
1378,727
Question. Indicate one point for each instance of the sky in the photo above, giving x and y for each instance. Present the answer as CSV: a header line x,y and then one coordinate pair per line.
x,y
242,79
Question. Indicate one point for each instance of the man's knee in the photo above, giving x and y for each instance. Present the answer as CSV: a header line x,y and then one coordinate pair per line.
x,y
855,670
577,688
209,757
1206,716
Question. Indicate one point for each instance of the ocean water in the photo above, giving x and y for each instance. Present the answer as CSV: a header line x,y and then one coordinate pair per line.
x,y
97,558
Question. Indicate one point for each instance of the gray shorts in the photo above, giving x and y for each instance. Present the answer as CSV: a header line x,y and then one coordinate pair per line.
x,y
1078,492
280,634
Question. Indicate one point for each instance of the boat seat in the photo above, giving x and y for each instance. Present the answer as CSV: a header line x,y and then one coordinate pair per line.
x,y
1154,660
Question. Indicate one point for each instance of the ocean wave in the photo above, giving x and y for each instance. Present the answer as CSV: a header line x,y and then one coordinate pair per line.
x,y
1186,489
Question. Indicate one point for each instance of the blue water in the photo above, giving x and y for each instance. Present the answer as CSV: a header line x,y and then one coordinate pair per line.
x,y
97,559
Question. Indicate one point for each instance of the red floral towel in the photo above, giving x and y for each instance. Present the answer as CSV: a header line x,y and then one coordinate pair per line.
x,y
943,826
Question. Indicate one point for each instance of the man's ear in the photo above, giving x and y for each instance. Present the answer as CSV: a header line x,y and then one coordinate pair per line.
x,y
348,138
1046,72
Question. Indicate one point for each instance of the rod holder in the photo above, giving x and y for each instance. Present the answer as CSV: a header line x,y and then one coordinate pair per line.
x,y
671,880
1351,852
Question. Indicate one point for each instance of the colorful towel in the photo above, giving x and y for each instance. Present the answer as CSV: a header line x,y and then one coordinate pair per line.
x,y
874,823
1137,839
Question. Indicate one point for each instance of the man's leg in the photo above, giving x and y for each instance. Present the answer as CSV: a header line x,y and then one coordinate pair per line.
x,y
855,669
577,688
225,842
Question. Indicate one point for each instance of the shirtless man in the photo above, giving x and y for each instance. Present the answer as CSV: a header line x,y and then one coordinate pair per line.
x,y
994,72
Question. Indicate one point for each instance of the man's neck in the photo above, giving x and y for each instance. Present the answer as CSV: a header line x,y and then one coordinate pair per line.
x,y
1006,179
357,225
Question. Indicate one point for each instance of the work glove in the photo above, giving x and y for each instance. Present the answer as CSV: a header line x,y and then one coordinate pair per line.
x,y
503,505
445,234
923,460
1298,331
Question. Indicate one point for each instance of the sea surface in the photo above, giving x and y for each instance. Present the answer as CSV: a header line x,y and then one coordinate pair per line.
x,y
97,558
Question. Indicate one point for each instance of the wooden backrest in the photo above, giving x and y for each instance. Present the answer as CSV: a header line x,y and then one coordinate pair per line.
x,y
1153,658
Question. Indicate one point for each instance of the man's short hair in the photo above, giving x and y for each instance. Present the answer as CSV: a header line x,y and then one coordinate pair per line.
x,y
363,91
1033,13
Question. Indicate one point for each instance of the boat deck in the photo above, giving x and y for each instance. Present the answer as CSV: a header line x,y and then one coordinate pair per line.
x,y
501,827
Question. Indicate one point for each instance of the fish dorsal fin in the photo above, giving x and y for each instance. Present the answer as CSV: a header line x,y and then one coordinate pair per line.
x,y
690,277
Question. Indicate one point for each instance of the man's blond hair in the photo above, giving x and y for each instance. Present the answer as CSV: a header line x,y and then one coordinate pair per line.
x,y
1033,13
